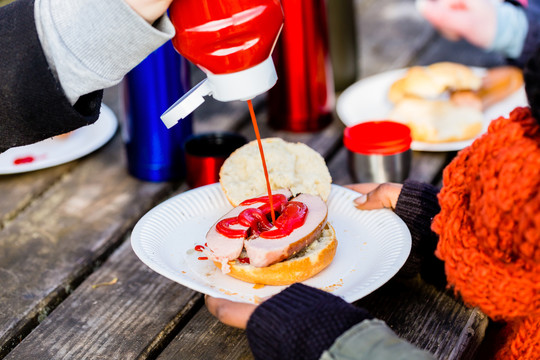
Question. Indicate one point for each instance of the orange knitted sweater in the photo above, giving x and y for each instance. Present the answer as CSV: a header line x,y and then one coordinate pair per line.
x,y
489,230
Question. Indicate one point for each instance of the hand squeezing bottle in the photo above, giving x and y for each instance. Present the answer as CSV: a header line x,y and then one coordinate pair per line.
x,y
231,41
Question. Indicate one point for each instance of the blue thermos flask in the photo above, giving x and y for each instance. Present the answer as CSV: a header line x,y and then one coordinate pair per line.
x,y
155,153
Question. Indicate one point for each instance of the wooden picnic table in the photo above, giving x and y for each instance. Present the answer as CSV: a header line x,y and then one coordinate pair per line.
x,y
67,228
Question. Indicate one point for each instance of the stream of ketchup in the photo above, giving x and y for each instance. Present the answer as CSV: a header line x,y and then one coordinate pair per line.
x,y
258,135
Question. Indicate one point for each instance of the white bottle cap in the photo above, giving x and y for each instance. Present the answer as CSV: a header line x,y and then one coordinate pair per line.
x,y
242,85
186,104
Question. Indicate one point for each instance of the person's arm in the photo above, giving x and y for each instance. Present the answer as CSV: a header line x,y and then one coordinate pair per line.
x,y
34,106
371,340
302,322
46,95
532,39
416,204
92,44
503,27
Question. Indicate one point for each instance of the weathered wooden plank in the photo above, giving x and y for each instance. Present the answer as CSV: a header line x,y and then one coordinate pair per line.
x,y
430,318
19,190
132,318
206,338
392,32
57,240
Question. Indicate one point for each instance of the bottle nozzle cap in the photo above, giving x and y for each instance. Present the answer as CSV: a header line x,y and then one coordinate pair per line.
x,y
245,84
241,85
186,104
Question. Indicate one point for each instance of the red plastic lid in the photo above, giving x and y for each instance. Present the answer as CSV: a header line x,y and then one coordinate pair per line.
x,y
377,137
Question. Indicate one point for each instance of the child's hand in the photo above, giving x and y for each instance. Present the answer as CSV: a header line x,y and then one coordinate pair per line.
x,y
230,312
472,20
376,196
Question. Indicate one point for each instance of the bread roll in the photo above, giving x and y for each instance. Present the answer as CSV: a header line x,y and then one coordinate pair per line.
x,y
467,98
455,76
436,121
498,83
305,264
293,166
430,82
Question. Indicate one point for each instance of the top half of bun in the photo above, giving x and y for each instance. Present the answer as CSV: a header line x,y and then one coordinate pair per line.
x,y
433,80
295,166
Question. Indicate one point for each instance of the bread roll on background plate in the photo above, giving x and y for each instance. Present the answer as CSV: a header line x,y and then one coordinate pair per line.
x,y
430,82
444,102
434,121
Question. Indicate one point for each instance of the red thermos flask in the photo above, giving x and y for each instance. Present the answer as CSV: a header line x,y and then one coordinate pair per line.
x,y
303,98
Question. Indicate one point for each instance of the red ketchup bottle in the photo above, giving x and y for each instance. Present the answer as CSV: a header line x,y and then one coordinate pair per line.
x,y
232,42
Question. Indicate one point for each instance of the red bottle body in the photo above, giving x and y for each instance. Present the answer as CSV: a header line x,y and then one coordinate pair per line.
x,y
224,36
303,98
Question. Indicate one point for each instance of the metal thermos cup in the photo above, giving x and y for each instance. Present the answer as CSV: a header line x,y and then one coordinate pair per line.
x,y
380,168
303,98
154,152
378,151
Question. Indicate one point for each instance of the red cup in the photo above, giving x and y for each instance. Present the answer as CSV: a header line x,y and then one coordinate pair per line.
x,y
206,153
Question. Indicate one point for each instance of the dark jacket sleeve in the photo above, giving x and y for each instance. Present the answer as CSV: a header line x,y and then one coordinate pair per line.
x,y
417,205
33,105
300,323
532,39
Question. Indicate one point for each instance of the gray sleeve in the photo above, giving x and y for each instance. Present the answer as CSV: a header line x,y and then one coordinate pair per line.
x,y
512,28
532,41
92,44
373,340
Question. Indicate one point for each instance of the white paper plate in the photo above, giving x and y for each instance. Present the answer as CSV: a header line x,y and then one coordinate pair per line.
x,y
372,246
367,100
56,151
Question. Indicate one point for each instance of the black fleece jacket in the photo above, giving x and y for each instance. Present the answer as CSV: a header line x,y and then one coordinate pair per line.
x,y
33,106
